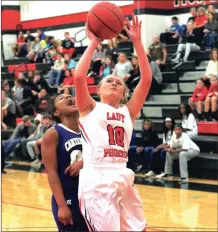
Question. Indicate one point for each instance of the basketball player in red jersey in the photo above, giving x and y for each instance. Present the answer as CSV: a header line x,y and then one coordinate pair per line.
x,y
108,198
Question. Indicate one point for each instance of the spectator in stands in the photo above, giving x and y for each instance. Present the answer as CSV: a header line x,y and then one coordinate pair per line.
x,y
212,67
107,67
43,104
212,100
2,160
68,45
7,89
34,49
211,9
149,140
122,37
134,74
171,36
68,82
189,123
182,148
32,85
193,12
22,131
56,70
123,67
8,108
156,85
40,81
97,59
20,42
23,98
132,151
157,51
41,34
40,130
28,40
198,97
112,50
199,25
158,156
187,45
211,31
69,63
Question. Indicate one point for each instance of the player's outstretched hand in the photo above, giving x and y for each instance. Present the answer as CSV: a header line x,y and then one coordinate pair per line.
x,y
134,29
91,36
65,215
73,169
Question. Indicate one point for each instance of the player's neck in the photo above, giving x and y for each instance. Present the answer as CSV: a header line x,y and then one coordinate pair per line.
x,y
111,103
71,124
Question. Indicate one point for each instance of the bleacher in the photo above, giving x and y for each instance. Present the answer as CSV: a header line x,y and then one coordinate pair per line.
x,y
179,81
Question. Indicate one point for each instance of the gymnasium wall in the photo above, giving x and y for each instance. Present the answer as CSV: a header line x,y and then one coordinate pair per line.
x,y
56,17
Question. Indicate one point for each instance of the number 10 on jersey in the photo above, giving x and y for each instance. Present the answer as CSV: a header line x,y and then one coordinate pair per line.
x,y
116,135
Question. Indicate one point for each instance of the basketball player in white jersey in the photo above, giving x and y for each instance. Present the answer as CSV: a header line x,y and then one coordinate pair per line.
x,y
108,198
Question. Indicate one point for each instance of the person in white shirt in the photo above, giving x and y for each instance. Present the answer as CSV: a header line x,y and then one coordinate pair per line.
x,y
212,67
189,123
182,148
159,153
123,67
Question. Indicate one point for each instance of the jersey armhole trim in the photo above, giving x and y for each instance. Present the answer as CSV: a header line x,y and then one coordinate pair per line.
x,y
84,117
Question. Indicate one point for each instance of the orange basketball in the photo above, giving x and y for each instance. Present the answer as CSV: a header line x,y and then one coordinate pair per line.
x,y
105,20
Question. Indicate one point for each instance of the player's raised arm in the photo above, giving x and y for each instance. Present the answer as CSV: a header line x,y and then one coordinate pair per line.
x,y
85,102
141,91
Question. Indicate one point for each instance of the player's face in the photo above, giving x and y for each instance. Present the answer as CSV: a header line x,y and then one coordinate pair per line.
x,y
65,105
112,87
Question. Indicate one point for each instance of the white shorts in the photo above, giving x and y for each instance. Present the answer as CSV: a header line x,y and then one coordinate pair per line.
x,y
109,200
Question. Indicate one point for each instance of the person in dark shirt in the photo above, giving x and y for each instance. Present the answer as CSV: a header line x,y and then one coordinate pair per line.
x,y
193,12
29,38
68,45
41,82
43,103
148,142
112,50
187,45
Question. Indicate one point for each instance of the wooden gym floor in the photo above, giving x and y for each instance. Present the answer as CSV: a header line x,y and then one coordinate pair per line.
x,y
168,206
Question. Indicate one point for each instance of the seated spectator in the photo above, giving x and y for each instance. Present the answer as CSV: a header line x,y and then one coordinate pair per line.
x,y
193,16
134,74
35,48
112,50
158,156
182,148
16,49
98,57
23,98
22,131
211,100
69,63
212,67
189,123
199,25
149,140
157,51
56,71
32,140
172,34
122,37
123,67
211,9
40,82
41,34
107,67
132,151
156,84
68,45
43,104
211,31
68,82
66,90
7,89
8,108
187,45
28,41
198,97
32,85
